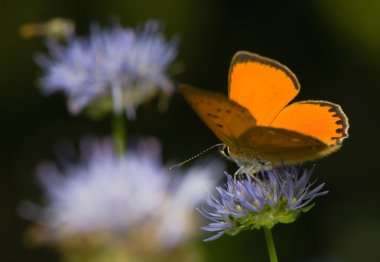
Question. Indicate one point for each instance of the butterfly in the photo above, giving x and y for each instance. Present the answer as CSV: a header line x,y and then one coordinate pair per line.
x,y
256,123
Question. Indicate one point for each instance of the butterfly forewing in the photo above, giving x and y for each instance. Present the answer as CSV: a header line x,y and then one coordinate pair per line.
x,y
225,118
262,85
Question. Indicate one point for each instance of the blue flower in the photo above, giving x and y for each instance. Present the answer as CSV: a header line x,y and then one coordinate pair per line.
x,y
276,196
132,198
113,69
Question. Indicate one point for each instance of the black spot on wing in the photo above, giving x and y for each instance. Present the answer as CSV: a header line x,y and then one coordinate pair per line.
x,y
214,116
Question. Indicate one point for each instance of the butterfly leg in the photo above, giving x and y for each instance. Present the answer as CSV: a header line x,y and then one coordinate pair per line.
x,y
238,173
251,171
255,169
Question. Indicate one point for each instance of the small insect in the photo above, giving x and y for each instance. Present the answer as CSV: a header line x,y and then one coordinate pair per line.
x,y
255,123
57,28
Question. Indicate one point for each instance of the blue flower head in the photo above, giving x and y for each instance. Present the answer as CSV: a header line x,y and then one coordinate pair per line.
x,y
112,69
125,198
276,196
130,203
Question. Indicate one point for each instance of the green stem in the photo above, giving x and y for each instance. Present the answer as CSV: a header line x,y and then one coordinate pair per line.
x,y
270,245
119,133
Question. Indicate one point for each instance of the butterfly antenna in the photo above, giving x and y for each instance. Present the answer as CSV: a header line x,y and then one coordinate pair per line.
x,y
197,155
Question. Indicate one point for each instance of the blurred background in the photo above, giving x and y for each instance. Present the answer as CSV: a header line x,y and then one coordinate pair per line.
x,y
333,46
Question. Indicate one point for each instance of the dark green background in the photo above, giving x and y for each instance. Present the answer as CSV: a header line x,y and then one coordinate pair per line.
x,y
333,46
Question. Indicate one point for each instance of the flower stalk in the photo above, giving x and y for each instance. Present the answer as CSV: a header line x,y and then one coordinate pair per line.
x,y
270,244
119,133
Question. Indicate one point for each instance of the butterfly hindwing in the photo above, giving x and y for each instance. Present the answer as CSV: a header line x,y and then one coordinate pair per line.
x,y
225,118
262,85
281,146
320,119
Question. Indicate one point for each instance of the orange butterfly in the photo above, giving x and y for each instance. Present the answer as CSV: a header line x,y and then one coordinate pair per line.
x,y
255,123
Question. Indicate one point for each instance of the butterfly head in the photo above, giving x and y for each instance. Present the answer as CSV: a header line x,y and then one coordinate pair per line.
x,y
225,151
240,157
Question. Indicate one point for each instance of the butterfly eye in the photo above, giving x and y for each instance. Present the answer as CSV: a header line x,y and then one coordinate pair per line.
x,y
226,151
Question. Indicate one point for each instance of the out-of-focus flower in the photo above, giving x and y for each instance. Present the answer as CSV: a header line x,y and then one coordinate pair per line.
x,y
128,206
113,69
276,196
56,28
